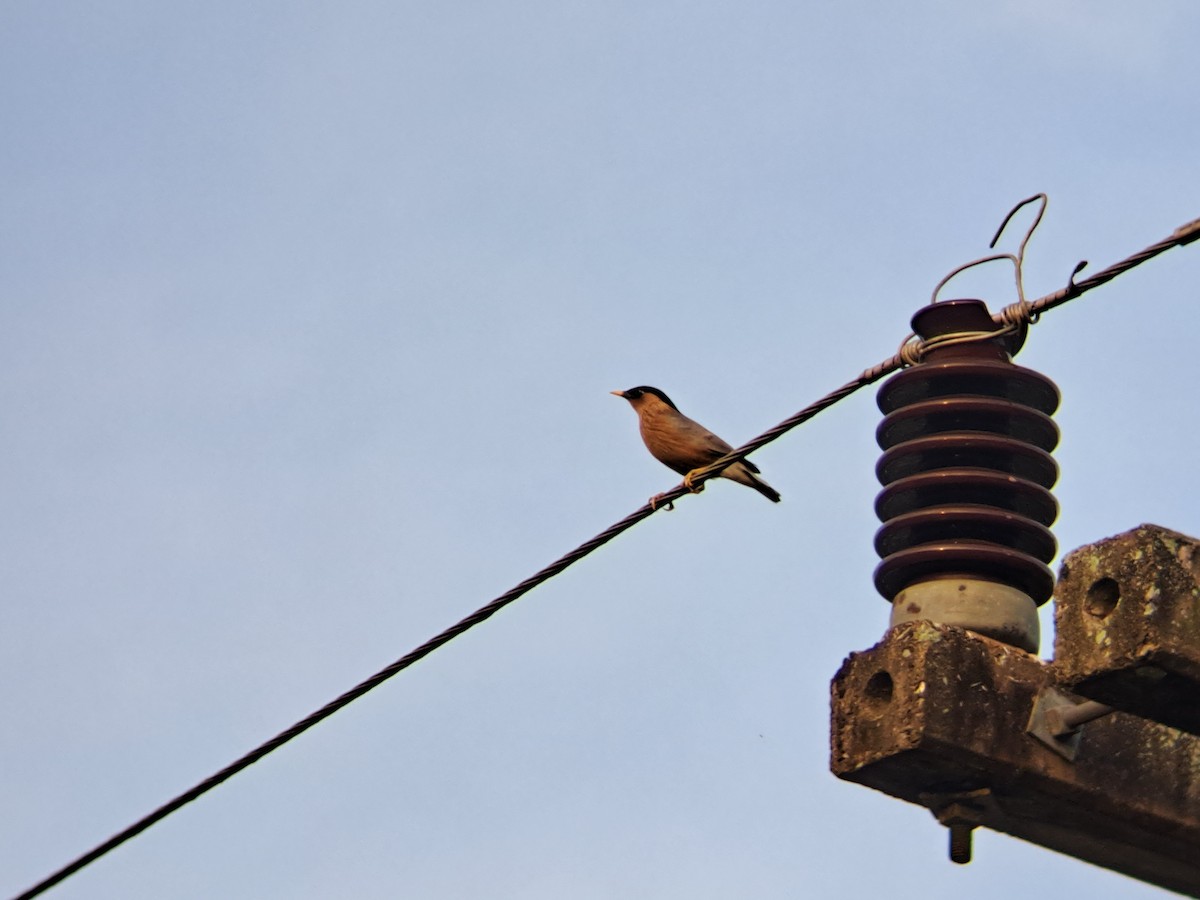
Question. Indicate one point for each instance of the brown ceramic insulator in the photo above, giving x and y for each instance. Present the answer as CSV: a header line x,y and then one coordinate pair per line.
x,y
967,449
964,378
965,522
990,415
953,487
966,467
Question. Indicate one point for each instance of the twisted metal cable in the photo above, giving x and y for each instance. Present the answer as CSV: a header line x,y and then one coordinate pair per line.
x,y
1180,237
909,354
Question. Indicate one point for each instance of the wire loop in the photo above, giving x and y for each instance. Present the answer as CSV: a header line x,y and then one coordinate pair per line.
x,y
1017,259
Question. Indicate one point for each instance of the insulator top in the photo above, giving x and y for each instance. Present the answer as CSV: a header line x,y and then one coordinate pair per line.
x,y
965,315
968,370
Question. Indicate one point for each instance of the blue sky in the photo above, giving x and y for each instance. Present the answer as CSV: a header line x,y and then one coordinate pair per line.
x,y
310,316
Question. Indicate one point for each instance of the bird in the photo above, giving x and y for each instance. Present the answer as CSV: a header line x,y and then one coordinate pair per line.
x,y
683,444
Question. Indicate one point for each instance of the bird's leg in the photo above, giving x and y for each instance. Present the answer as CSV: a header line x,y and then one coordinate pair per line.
x,y
657,498
687,482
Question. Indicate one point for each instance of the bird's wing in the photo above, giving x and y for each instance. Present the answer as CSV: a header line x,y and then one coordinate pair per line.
x,y
703,441
715,447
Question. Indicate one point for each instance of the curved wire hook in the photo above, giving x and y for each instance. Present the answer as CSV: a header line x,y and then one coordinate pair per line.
x,y
1037,220
958,270
1017,260
1079,267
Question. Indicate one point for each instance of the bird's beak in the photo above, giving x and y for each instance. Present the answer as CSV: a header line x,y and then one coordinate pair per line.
x,y
618,393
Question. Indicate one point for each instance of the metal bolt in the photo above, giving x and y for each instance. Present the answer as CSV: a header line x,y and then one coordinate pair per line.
x,y
1067,719
960,842
961,812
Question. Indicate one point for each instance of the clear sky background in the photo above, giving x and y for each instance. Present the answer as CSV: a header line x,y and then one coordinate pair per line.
x,y
310,316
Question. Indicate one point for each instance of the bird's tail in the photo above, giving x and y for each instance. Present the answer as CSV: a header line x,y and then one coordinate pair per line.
x,y
741,473
765,489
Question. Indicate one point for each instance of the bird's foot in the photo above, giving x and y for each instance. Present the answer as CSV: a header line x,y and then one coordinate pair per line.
x,y
687,482
657,499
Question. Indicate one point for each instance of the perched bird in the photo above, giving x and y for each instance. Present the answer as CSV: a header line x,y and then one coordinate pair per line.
x,y
683,445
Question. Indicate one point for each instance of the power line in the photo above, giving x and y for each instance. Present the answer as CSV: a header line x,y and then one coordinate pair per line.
x,y
910,352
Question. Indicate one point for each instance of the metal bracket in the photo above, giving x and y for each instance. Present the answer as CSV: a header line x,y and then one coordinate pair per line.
x,y
1057,720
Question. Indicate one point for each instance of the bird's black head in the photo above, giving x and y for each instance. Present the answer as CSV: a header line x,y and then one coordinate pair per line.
x,y
635,393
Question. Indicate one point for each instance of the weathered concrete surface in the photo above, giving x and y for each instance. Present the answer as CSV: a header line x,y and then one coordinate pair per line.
x,y
1127,617
936,715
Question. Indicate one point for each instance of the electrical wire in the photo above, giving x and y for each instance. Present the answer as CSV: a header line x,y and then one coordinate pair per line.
x,y
910,353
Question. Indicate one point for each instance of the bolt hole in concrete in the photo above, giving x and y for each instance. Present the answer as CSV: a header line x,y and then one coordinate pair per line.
x,y
1102,597
878,691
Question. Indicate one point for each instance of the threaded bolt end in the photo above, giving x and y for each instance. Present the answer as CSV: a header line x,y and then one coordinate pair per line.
x,y
960,843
